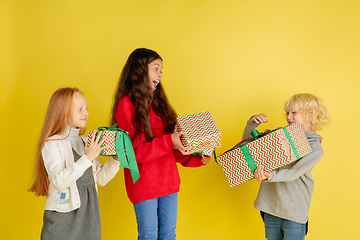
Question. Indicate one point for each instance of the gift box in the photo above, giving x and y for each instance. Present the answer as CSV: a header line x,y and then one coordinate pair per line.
x,y
271,149
118,144
201,133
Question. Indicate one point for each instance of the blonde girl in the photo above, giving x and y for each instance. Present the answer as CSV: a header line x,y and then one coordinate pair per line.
x,y
67,172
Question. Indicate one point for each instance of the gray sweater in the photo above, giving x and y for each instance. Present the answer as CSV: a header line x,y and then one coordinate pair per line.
x,y
287,194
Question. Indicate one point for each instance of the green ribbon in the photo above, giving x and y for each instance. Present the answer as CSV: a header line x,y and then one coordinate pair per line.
x,y
291,143
124,150
249,159
256,133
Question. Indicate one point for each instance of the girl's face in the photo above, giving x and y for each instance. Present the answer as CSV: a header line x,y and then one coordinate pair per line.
x,y
297,116
79,111
155,70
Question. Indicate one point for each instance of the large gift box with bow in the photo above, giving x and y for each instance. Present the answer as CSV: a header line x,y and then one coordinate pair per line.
x,y
201,133
118,144
271,149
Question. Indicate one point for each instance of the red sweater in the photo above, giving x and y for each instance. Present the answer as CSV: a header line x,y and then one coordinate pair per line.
x,y
156,159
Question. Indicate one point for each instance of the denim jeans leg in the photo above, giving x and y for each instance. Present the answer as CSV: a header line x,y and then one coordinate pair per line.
x,y
282,229
293,230
167,215
147,219
272,227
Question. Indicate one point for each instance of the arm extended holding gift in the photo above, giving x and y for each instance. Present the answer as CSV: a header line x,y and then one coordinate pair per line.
x,y
191,160
294,170
303,165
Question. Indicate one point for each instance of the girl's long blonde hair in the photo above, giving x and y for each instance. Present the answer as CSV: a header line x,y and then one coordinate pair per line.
x,y
313,108
56,119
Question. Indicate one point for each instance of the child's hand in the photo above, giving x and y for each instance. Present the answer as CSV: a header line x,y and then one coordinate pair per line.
x,y
175,137
94,149
259,118
205,159
260,175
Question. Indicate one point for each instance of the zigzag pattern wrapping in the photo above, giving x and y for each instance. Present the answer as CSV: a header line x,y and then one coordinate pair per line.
x,y
235,167
201,132
298,136
110,141
271,151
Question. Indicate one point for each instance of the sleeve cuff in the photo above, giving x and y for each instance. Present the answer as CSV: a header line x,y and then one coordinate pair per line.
x,y
169,141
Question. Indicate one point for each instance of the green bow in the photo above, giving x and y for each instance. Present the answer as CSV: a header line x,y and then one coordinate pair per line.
x,y
124,150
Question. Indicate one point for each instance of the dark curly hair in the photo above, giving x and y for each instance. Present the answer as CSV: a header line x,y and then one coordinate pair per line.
x,y
134,80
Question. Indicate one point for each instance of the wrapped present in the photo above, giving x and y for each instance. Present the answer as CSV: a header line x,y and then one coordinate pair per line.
x,y
118,144
271,149
201,133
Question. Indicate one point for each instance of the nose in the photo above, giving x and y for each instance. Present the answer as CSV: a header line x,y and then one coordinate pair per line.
x,y
288,117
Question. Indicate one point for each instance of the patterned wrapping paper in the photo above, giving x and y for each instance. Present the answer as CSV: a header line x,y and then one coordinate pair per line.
x,y
118,144
201,132
110,141
273,150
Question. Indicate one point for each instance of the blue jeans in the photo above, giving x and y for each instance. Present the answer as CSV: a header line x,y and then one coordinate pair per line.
x,y
281,229
156,218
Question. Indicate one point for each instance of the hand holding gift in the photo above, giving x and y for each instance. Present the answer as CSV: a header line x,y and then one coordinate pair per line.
x,y
175,137
93,149
117,143
205,159
261,175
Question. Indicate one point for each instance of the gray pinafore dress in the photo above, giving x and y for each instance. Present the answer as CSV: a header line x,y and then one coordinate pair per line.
x,y
79,224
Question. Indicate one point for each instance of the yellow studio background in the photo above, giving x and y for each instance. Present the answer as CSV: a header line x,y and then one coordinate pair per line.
x,y
234,58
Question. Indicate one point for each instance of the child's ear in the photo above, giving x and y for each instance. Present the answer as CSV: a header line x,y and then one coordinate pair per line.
x,y
310,116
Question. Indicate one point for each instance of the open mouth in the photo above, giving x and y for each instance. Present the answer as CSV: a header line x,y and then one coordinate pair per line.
x,y
155,83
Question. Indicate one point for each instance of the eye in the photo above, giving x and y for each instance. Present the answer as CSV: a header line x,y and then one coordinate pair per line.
x,y
156,69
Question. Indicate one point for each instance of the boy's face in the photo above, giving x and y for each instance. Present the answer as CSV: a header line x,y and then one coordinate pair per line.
x,y
297,116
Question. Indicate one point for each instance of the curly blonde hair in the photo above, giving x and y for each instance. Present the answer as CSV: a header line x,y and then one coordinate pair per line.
x,y
312,107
